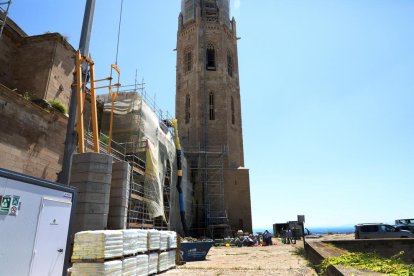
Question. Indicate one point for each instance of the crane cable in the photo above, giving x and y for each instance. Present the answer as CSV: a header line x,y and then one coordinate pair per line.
x,y
119,32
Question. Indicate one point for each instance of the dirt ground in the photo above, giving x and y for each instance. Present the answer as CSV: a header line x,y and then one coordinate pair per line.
x,y
278,259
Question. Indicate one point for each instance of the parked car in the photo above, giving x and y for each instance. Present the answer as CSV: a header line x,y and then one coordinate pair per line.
x,y
405,227
409,222
380,231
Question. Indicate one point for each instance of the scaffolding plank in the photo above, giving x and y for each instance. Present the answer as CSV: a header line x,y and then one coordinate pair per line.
x,y
138,225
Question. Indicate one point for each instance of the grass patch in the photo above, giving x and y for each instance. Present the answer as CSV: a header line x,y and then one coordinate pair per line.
x,y
58,105
371,262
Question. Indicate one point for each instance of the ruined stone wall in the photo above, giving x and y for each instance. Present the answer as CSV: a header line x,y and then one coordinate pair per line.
x,y
39,66
31,139
8,48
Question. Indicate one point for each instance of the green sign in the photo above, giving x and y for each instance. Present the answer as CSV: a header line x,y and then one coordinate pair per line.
x,y
5,204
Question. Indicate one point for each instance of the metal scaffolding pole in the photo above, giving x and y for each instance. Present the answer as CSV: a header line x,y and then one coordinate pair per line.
x,y
71,135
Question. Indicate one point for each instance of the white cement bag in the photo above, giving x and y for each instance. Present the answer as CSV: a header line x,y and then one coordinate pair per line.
x,y
102,244
142,265
172,240
152,263
171,254
142,241
130,239
164,237
163,261
111,268
129,266
153,239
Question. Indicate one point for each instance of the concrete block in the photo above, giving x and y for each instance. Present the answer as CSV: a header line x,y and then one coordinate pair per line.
x,y
119,192
117,222
118,211
121,166
119,184
120,175
93,198
96,187
92,157
92,208
119,201
91,167
84,222
90,177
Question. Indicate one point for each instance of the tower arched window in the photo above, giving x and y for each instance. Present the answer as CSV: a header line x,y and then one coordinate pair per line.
x,y
211,107
188,60
211,57
233,117
187,109
230,66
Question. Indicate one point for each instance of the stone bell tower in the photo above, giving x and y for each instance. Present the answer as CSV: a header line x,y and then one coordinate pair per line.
x,y
208,110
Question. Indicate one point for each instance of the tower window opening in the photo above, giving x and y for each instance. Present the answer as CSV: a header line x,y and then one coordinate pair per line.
x,y
188,63
230,64
187,109
233,118
211,58
211,106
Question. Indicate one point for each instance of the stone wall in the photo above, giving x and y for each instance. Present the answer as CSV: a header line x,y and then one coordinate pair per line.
x,y
31,138
41,66
195,82
384,247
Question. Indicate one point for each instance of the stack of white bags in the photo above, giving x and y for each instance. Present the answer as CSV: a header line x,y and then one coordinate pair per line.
x,y
102,244
163,261
172,240
142,265
164,238
153,239
171,257
92,248
130,237
143,241
129,266
152,263
113,268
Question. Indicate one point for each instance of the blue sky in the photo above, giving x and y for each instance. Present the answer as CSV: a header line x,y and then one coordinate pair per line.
x,y
327,93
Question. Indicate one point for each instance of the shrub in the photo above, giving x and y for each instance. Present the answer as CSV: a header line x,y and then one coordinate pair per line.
x,y
58,105
370,262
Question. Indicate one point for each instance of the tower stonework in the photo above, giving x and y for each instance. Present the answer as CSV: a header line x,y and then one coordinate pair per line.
x,y
208,110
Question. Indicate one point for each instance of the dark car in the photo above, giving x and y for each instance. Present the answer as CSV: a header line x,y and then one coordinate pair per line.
x,y
405,227
380,231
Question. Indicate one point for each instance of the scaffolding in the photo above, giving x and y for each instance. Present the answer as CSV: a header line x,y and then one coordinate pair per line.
x,y
207,169
142,138
4,11
207,161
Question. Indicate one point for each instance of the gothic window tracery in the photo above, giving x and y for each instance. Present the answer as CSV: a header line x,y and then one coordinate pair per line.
x,y
188,60
211,57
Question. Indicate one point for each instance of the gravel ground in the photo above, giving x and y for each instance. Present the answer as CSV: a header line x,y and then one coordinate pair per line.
x,y
278,259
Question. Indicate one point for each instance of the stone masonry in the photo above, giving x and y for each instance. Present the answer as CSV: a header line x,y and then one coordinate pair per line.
x,y
208,105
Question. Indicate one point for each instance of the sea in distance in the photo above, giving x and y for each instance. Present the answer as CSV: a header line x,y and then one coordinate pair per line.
x,y
318,230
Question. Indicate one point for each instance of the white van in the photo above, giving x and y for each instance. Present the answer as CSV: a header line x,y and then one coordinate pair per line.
x,y
380,231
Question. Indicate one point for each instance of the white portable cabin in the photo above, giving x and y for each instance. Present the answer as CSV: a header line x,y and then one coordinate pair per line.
x,y
35,218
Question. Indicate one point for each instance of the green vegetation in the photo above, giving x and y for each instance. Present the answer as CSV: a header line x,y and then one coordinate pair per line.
x,y
26,96
371,262
58,105
103,138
